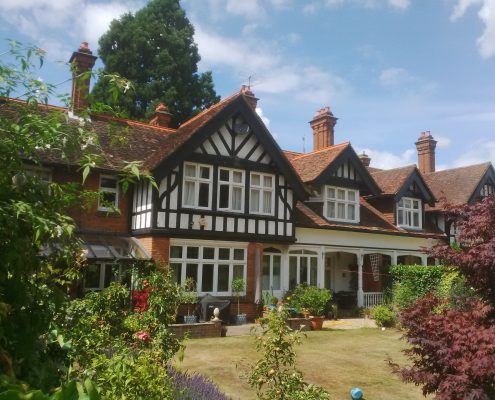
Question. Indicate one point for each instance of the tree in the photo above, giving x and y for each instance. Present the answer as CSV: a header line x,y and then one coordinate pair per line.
x,y
453,340
155,50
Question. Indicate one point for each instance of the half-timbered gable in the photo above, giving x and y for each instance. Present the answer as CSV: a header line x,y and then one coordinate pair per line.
x,y
229,179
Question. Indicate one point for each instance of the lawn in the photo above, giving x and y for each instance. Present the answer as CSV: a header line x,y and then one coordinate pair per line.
x,y
335,359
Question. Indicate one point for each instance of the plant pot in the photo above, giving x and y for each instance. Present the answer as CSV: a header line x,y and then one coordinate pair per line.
x,y
240,319
305,313
190,319
317,323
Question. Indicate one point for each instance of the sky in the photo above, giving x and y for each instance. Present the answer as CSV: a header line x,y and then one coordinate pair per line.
x,y
388,69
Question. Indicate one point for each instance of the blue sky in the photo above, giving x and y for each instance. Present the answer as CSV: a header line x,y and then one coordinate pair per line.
x,y
388,69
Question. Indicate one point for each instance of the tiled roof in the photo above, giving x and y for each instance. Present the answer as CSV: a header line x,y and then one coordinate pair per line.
x,y
392,180
309,166
456,185
371,221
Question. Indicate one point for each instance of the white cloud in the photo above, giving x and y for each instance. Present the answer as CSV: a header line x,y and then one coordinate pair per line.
x,y
478,152
401,80
400,4
293,38
486,13
265,119
387,160
442,141
273,74
310,9
81,20
394,77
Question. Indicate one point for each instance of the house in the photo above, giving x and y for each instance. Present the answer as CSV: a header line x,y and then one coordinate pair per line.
x,y
230,203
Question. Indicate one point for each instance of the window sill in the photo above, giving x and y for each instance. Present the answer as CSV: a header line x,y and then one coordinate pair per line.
x,y
108,213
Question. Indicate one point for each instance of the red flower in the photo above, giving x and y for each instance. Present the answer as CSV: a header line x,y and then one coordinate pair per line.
x,y
143,335
140,299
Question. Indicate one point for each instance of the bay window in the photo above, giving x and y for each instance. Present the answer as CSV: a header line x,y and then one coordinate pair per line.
x,y
230,189
197,185
409,213
211,268
341,204
262,193
272,261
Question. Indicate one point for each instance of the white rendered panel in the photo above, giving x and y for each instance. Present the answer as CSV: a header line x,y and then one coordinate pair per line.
x,y
160,220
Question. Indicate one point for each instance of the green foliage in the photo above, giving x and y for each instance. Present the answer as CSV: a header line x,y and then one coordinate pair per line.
x,y
311,298
124,352
155,50
274,376
238,286
189,294
412,282
383,316
72,390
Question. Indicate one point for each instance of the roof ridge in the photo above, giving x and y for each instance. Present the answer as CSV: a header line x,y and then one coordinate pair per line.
x,y
322,150
133,122
212,107
487,163
413,166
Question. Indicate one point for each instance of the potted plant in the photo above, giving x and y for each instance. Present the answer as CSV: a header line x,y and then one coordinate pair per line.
x,y
190,297
314,300
238,286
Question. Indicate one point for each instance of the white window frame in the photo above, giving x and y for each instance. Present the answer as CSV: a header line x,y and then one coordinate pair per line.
x,y
346,202
271,256
298,255
197,180
261,188
487,190
103,207
408,213
215,261
231,184
101,285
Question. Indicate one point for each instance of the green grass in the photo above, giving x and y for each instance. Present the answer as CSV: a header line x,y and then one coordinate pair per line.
x,y
335,359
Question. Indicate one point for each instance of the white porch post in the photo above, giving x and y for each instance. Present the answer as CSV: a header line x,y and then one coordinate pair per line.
x,y
321,268
424,259
394,258
360,293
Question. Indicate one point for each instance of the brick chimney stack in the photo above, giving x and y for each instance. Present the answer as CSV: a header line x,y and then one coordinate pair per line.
x,y
82,62
249,96
323,124
365,159
426,152
162,116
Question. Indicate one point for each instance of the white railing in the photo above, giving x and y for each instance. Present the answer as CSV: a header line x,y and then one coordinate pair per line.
x,y
372,299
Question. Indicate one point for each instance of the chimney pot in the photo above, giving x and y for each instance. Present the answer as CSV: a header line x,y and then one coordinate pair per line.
x,y
323,124
162,116
426,145
365,159
249,96
82,62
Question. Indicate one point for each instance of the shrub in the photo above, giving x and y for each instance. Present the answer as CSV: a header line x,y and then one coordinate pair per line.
x,y
383,316
193,386
238,286
311,298
274,376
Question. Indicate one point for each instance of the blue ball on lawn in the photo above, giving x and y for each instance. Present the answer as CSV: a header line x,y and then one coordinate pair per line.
x,y
356,394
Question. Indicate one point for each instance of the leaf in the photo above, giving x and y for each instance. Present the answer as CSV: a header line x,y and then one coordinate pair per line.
x,y
85,172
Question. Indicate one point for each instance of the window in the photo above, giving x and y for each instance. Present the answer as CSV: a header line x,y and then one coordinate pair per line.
x,y
261,193
409,213
109,193
43,174
98,276
487,190
271,269
303,268
197,186
341,204
212,268
230,190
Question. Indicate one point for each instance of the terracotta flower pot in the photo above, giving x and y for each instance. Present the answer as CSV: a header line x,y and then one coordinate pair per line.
x,y
317,323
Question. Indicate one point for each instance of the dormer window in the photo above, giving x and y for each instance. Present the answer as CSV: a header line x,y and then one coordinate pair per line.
x,y
109,193
341,204
409,213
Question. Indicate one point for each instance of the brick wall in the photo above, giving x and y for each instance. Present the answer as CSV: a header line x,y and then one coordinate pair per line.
x,y
157,246
90,218
195,331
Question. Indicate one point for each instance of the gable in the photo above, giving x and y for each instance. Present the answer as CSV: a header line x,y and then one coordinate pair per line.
x,y
347,170
415,186
486,185
217,142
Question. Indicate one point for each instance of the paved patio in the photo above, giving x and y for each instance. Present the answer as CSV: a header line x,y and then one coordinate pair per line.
x,y
348,323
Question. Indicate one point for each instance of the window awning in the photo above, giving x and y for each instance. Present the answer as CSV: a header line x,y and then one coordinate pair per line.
x,y
113,247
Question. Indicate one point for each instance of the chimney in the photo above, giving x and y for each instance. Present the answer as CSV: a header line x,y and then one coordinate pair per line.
x,y
162,116
82,62
322,124
365,159
249,96
426,152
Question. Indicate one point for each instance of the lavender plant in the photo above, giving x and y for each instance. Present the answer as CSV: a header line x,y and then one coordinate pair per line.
x,y
193,386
